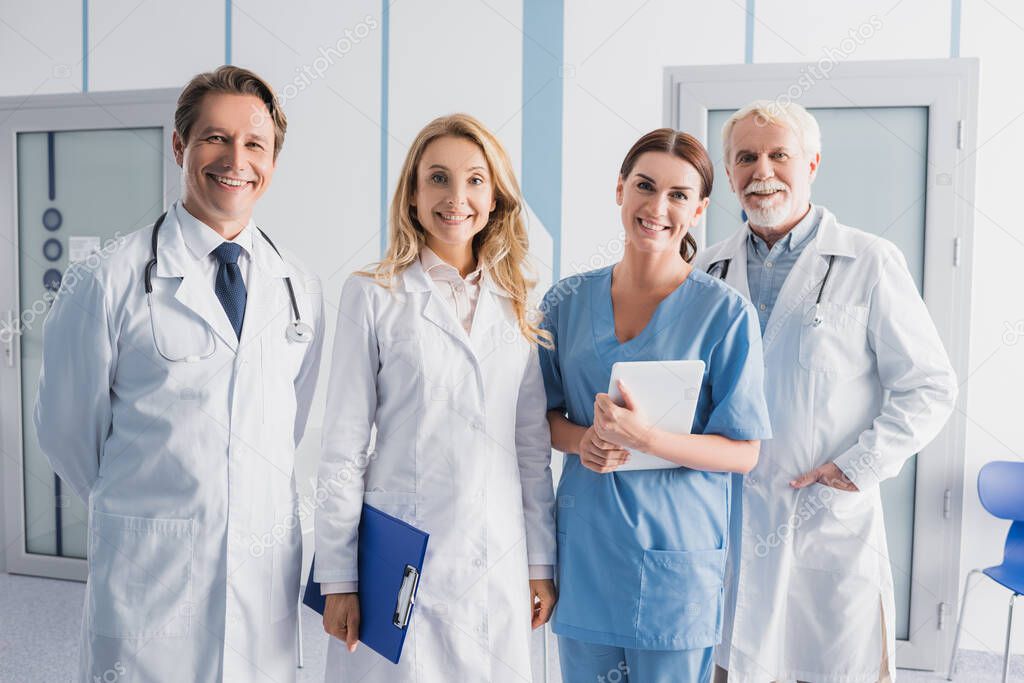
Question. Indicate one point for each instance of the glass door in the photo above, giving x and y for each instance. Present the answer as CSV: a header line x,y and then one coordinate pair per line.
x,y
77,192
83,170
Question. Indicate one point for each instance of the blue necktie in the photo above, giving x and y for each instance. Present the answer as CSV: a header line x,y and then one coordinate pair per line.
x,y
229,286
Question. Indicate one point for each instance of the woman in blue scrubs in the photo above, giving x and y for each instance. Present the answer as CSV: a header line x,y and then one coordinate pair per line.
x,y
642,553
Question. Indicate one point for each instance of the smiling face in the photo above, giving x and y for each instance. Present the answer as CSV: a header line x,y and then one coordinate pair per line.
x,y
454,194
660,202
228,160
770,174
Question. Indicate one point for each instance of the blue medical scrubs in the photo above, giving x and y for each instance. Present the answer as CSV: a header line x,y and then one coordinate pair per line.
x,y
641,554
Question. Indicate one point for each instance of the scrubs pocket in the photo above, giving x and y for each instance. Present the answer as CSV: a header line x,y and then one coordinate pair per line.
x,y
681,598
140,576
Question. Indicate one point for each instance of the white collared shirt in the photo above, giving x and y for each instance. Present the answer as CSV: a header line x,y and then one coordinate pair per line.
x,y
201,240
461,293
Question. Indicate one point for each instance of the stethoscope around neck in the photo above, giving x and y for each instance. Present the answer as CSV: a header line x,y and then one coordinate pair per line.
x,y
297,331
723,271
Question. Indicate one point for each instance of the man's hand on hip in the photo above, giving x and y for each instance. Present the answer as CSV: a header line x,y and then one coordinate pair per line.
x,y
828,474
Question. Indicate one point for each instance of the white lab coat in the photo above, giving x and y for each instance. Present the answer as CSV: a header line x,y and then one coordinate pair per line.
x,y
187,468
462,451
866,388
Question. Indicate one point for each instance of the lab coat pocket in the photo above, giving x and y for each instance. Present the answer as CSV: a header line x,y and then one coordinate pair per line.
x,y
400,505
140,576
402,364
847,520
681,598
400,345
843,504
833,339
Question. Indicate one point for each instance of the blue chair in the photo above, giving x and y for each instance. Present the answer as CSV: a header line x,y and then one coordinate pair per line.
x,y
1001,490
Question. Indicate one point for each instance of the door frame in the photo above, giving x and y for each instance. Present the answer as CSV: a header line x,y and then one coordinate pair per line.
x,y
45,113
949,89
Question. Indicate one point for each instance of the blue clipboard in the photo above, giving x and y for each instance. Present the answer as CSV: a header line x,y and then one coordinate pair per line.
x,y
391,555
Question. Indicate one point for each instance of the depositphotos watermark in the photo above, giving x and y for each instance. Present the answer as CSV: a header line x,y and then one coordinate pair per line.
x,y
1013,332
606,254
111,675
811,505
329,54
616,674
71,279
822,69
308,505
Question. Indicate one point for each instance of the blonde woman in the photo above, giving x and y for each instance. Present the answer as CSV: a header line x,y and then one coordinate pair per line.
x,y
435,350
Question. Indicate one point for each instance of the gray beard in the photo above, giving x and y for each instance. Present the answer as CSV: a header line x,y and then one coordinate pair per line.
x,y
769,218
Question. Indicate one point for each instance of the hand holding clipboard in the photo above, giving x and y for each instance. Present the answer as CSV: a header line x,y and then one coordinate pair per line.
x,y
391,555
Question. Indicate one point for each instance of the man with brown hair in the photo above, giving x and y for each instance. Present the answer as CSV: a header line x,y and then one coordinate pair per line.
x,y
176,381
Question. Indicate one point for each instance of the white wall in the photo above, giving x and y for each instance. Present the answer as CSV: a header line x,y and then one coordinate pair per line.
x,y
993,31
613,95
40,52
468,56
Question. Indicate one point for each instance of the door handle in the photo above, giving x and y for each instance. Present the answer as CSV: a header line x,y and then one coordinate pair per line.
x,y
7,334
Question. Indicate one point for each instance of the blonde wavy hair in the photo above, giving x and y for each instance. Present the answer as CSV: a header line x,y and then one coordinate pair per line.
x,y
501,247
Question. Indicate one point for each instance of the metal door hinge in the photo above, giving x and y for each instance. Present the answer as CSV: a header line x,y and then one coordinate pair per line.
x,y
947,504
943,613
960,134
956,251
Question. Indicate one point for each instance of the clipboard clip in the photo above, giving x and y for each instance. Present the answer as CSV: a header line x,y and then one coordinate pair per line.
x,y
406,596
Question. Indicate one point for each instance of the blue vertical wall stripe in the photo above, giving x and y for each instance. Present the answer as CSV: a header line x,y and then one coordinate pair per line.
x,y
227,31
748,43
543,48
85,45
956,10
385,48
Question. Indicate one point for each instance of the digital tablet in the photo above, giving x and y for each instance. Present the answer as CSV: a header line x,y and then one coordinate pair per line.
x,y
665,393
